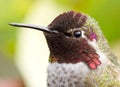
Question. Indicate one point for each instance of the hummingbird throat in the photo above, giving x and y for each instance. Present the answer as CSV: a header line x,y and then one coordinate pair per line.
x,y
86,54
92,63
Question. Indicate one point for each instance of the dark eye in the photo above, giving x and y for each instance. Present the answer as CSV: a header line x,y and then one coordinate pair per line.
x,y
77,34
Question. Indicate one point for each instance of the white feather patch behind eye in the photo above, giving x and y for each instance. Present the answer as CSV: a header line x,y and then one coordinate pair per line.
x,y
83,34
92,43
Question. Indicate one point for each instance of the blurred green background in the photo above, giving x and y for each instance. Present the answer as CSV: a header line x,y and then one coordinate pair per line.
x,y
106,12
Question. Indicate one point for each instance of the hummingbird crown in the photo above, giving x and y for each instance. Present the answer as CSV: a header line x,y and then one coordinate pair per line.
x,y
66,21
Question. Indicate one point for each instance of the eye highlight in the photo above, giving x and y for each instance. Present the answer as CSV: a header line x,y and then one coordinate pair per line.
x,y
77,33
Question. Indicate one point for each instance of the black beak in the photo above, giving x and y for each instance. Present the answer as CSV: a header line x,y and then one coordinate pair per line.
x,y
41,28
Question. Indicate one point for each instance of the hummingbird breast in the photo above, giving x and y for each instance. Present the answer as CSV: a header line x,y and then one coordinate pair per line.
x,y
67,75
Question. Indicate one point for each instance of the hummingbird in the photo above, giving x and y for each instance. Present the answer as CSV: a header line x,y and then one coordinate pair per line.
x,y
79,52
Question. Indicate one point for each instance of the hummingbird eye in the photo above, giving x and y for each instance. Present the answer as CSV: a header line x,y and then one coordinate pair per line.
x,y
77,33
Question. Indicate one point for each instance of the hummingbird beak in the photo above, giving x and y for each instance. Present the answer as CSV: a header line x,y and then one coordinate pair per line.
x,y
41,28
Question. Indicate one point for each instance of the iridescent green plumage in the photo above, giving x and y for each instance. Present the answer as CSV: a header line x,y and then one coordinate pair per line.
x,y
108,74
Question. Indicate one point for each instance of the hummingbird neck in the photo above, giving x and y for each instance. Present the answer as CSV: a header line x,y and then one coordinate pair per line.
x,y
92,60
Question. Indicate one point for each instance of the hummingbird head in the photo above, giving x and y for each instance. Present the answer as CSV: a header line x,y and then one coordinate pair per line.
x,y
72,38
75,41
